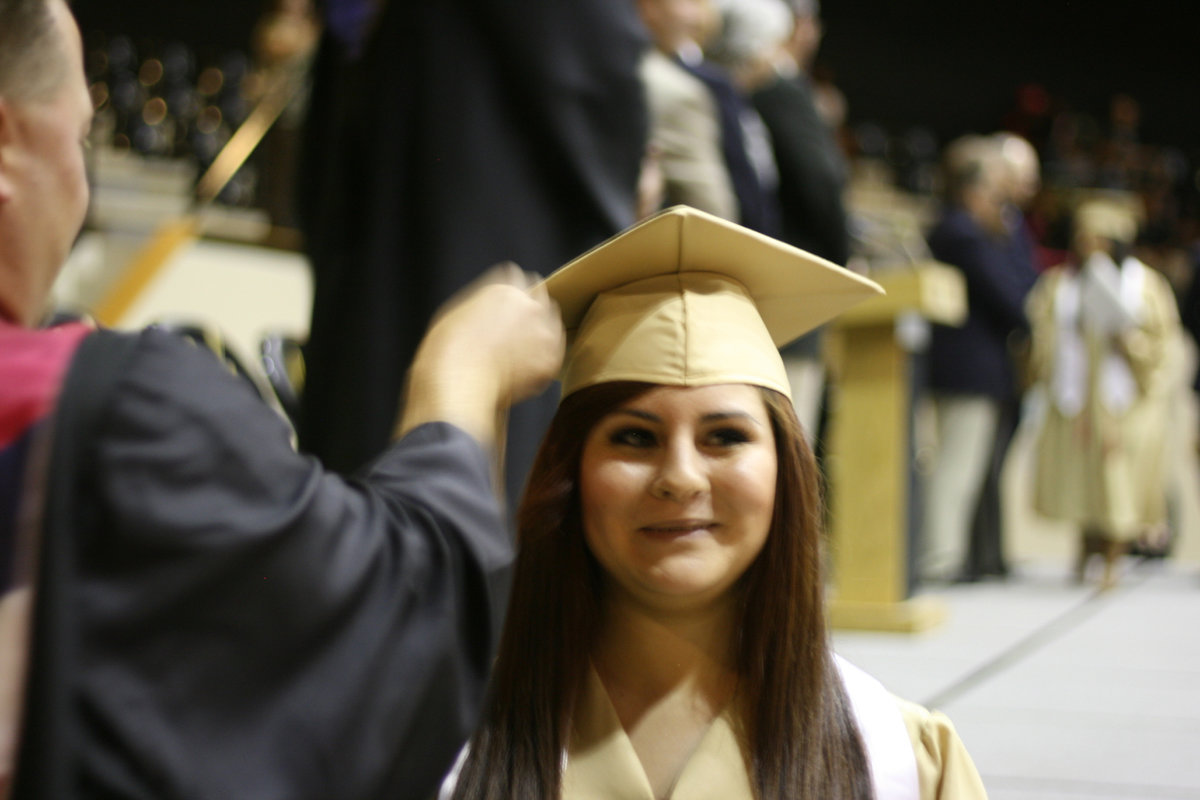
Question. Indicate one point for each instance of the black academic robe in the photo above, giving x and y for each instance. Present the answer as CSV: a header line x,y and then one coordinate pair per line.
x,y
469,132
219,617
812,181
812,171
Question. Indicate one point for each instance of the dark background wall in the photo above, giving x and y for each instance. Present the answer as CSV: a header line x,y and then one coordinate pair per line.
x,y
207,25
955,65
950,65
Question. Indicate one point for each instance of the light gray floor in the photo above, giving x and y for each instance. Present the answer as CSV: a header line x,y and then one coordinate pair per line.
x,y
1061,692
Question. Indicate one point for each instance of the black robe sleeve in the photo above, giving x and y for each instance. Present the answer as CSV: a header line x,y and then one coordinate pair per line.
x,y
252,626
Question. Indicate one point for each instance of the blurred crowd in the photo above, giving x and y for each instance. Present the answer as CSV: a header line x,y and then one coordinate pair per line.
x,y
1079,152
174,100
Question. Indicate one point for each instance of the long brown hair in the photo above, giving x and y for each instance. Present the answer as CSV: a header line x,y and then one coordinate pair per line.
x,y
798,733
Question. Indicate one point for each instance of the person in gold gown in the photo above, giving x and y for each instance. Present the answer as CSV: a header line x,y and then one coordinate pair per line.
x,y
1102,330
666,635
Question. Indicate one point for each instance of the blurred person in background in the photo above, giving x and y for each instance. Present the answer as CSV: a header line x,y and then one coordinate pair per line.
x,y
682,29
985,552
685,125
1103,325
970,369
768,45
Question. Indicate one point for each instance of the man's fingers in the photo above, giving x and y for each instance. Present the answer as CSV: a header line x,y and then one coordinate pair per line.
x,y
538,291
506,272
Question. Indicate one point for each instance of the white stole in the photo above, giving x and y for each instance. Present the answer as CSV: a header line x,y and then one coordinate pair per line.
x,y
889,747
1102,301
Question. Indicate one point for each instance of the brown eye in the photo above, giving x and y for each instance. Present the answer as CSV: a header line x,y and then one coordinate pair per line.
x,y
632,437
725,437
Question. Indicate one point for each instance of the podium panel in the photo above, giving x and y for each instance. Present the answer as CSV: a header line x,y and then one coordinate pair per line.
x,y
870,451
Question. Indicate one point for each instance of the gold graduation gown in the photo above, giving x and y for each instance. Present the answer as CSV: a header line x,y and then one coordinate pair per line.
x,y
914,753
1101,457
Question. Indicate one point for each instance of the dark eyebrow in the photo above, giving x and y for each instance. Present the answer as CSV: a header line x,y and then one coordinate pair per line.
x,y
716,416
633,412
720,416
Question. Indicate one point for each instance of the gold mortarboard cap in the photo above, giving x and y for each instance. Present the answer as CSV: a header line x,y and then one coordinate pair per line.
x,y
685,298
1109,218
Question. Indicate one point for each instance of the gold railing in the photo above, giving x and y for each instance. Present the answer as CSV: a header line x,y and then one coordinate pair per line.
x,y
173,234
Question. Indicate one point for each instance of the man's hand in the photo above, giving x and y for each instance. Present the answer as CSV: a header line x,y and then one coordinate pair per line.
x,y
497,342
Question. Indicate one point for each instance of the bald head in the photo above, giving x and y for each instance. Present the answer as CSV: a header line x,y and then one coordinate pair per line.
x,y
677,24
45,115
1020,160
974,177
30,66
969,162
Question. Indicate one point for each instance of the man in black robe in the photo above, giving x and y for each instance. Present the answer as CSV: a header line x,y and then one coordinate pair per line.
x,y
443,136
214,615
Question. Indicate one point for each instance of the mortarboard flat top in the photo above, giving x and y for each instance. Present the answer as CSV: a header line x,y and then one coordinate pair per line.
x,y
1108,218
686,298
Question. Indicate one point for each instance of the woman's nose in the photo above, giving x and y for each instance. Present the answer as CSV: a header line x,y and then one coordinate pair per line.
x,y
680,474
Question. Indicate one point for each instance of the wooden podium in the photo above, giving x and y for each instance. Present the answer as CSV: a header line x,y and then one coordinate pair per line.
x,y
870,448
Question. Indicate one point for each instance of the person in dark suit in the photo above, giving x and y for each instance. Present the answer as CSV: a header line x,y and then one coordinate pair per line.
x,y
985,551
443,137
970,370
812,170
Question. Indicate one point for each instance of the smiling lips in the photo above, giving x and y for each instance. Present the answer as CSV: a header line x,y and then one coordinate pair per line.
x,y
674,528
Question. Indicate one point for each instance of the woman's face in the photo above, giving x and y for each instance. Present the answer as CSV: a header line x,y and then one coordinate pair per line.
x,y
677,489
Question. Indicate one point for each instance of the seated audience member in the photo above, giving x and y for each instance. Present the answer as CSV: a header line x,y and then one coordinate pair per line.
x,y
207,613
667,635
